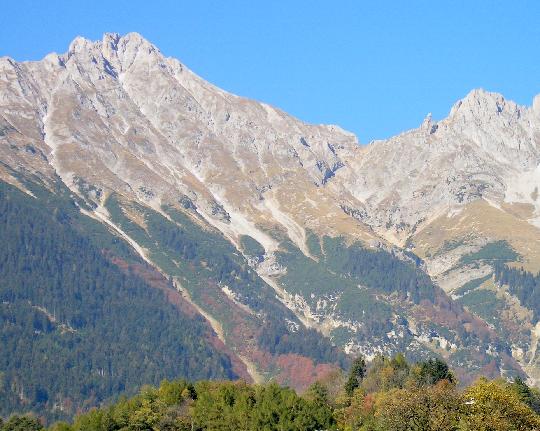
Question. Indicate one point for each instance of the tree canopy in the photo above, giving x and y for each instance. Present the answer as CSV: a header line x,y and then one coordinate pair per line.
x,y
405,400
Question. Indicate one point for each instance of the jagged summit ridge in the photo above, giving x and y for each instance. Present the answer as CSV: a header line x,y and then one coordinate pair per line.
x,y
185,124
485,136
483,128
485,140
482,106
112,42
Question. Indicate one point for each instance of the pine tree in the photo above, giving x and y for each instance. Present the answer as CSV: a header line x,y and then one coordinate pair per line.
x,y
356,374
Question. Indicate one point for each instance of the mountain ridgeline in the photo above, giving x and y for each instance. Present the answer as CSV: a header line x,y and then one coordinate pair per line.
x,y
157,227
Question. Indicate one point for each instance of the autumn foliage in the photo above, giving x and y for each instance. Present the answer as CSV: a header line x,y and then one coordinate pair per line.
x,y
389,394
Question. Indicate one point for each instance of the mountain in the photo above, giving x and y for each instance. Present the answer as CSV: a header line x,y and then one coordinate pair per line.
x,y
461,194
300,247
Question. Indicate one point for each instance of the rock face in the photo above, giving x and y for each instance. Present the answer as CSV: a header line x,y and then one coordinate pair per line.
x,y
485,149
134,133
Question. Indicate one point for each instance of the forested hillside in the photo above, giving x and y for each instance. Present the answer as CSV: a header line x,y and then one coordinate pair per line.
x,y
523,284
219,279
75,329
388,395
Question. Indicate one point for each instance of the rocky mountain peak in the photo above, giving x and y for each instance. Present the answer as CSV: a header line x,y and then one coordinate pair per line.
x,y
131,41
482,105
114,53
79,44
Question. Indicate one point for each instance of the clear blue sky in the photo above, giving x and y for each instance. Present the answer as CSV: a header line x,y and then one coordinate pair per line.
x,y
375,68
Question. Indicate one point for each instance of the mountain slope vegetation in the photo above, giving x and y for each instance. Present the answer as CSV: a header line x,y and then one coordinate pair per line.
x,y
75,329
389,395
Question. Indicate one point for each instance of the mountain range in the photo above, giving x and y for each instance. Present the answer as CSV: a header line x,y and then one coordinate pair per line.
x,y
283,249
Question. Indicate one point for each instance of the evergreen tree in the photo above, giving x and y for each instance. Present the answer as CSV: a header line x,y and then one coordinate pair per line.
x,y
107,328
433,371
21,423
317,393
356,374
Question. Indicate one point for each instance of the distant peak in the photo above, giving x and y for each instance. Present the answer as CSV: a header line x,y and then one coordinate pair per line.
x,y
112,41
133,35
480,102
479,95
132,38
78,44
